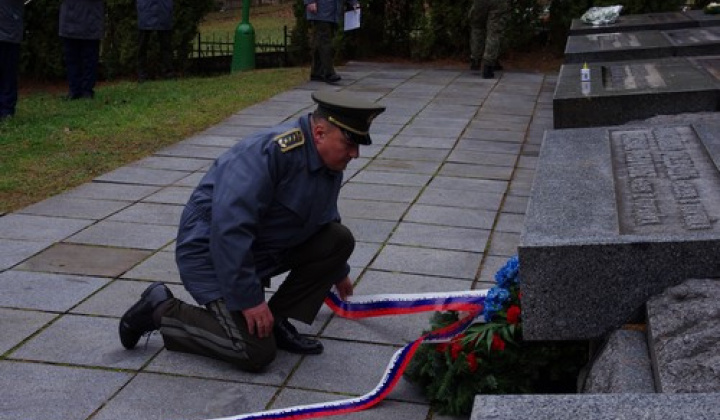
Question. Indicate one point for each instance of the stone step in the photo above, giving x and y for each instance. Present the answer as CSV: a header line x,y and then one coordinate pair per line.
x,y
597,407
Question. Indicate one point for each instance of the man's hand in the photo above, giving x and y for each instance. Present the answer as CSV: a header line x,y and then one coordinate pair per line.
x,y
312,8
344,288
259,320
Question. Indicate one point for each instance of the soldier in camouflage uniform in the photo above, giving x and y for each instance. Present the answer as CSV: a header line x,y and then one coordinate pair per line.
x,y
487,23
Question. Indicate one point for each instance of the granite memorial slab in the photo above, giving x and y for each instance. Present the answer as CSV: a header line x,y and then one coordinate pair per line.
x,y
623,91
616,215
640,45
637,22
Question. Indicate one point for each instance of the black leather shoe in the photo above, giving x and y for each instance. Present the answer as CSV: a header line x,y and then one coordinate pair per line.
x,y
288,338
487,72
333,78
474,65
317,78
138,320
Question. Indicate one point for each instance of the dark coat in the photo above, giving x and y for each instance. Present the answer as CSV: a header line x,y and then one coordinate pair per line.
x,y
82,19
11,21
155,15
329,10
267,194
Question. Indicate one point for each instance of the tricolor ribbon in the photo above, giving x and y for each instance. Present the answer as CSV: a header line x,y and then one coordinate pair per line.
x,y
382,305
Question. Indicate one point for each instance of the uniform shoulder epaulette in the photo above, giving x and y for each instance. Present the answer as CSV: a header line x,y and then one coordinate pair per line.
x,y
290,140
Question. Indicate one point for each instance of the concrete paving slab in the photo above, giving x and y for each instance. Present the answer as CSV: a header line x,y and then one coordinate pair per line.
x,y
163,397
142,176
380,210
493,135
490,266
476,171
170,195
504,243
16,251
377,192
364,253
126,235
18,325
78,208
45,291
468,184
424,142
482,158
40,391
84,260
107,191
117,297
369,230
158,267
414,260
171,163
211,140
451,216
150,213
191,180
391,178
515,204
184,364
86,341
510,222
432,155
39,228
451,198
385,410
440,237
487,146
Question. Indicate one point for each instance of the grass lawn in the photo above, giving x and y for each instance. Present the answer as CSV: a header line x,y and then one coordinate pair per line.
x,y
52,145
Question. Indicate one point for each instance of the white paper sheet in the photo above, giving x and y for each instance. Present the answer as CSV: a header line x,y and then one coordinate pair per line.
x,y
352,19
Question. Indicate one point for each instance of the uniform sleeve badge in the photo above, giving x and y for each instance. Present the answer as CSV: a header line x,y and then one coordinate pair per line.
x,y
290,140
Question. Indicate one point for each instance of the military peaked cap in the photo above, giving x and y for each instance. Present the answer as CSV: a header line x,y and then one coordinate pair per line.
x,y
349,114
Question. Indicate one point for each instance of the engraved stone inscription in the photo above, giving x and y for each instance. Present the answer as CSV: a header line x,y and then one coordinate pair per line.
x,y
615,40
665,181
693,36
633,76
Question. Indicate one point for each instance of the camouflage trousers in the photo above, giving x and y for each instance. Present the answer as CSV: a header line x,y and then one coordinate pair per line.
x,y
487,23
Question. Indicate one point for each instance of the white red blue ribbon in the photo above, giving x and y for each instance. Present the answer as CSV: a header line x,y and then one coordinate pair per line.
x,y
382,305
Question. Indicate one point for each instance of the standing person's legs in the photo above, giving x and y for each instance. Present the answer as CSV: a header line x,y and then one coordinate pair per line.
x,y
323,52
9,60
478,31
142,60
166,52
90,52
73,63
496,22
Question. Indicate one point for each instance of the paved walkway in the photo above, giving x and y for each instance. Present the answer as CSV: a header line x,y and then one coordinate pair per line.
x,y
436,204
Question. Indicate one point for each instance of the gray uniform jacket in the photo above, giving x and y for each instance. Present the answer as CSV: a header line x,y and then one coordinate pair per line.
x,y
329,10
267,194
11,21
82,19
155,15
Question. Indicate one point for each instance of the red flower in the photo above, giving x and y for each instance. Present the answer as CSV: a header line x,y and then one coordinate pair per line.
x,y
455,350
472,362
497,343
513,314
441,347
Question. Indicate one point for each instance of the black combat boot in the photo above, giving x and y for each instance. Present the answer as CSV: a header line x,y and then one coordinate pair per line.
x,y
138,320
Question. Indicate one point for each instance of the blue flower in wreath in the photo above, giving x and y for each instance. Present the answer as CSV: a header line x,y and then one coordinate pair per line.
x,y
508,275
494,301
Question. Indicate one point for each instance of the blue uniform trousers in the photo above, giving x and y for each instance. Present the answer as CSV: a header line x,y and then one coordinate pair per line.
x,y
9,60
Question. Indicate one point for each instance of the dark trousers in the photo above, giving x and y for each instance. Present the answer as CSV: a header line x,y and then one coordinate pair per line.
x,y
9,61
214,331
165,42
322,49
81,60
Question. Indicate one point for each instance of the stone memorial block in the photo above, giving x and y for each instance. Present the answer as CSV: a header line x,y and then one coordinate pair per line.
x,y
616,215
638,22
703,19
619,92
694,41
640,45
617,46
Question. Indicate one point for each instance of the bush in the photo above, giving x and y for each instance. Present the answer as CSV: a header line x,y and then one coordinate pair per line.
x,y
492,358
42,55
